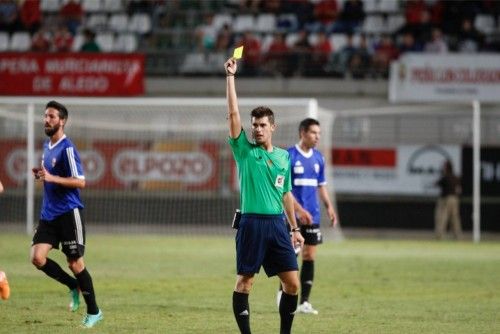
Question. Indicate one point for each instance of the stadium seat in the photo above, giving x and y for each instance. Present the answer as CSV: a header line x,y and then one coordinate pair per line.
x,y
266,42
97,22
118,22
20,41
112,5
220,19
265,23
374,24
388,6
140,23
50,5
291,38
105,40
214,61
370,6
287,22
313,39
92,6
4,41
485,23
77,42
394,22
125,43
194,63
243,23
338,41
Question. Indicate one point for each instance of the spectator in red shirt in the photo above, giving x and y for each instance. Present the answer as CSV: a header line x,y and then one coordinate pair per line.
x,y
413,11
30,15
321,52
63,40
71,15
325,14
40,41
301,53
276,58
385,52
251,54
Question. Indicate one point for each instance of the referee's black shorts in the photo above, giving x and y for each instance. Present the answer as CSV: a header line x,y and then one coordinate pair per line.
x,y
68,230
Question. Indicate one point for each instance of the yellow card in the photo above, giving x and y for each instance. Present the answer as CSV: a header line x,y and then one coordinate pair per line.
x,y
238,52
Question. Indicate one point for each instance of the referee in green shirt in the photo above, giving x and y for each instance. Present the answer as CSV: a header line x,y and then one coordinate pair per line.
x,y
262,238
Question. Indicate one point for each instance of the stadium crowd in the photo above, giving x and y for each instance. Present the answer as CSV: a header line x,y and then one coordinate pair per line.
x,y
357,38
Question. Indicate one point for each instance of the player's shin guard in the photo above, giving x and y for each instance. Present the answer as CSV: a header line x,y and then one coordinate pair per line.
x,y
288,305
53,270
306,280
87,289
241,311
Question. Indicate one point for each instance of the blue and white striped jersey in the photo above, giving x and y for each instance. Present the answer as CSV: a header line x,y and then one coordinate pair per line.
x,y
61,159
308,172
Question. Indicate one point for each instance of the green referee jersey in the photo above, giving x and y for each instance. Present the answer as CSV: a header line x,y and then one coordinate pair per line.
x,y
264,176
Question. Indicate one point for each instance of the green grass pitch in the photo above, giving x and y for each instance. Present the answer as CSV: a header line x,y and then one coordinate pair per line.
x,y
181,284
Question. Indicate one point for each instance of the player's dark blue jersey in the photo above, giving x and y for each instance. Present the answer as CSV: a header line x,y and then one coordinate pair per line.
x,y
61,159
308,172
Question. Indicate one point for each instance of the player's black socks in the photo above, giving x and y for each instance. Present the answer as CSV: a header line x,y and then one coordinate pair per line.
x,y
288,305
241,311
53,270
87,289
306,280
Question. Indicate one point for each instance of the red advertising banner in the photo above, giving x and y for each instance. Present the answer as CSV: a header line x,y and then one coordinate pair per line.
x,y
68,74
364,157
190,166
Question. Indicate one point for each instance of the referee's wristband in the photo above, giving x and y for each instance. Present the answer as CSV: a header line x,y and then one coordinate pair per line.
x,y
296,229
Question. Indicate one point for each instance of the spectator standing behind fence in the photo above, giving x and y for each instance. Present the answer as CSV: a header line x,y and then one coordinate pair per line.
x,y
30,15
251,61
437,44
351,17
89,43
9,16
63,40
276,57
71,14
40,41
448,204
300,53
320,55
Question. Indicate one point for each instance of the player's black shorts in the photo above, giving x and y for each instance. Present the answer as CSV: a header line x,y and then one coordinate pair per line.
x,y
67,229
312,234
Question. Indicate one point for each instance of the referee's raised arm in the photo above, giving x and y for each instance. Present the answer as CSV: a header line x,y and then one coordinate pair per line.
x,y
232,101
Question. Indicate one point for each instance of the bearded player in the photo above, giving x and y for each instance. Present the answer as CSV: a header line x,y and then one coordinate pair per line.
x,y
308,181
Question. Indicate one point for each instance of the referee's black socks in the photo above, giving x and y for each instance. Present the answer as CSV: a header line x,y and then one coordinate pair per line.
x,y
87,289
53,270
241,311
288,305
306,280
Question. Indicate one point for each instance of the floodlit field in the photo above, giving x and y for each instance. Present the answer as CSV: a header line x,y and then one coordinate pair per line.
x,y
162,284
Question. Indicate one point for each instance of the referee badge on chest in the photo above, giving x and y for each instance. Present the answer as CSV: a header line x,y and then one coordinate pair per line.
x,y
280,181
53,162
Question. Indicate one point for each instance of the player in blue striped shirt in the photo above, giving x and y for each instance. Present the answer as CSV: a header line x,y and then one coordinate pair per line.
x,y
308,181
61,220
